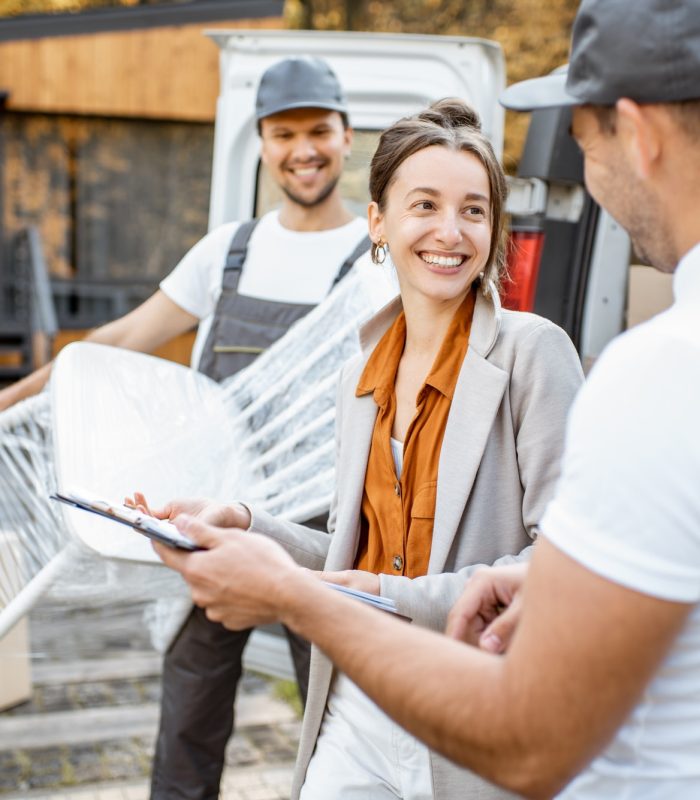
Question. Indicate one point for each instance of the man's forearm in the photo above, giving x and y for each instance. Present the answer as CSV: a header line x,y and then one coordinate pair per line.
x,y
529,720
27,387
449,695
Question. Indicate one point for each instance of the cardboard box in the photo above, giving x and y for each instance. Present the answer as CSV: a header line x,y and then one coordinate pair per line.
x,y
649,293
15,676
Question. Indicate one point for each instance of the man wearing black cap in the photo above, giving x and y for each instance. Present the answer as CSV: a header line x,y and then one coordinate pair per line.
x,y
598,694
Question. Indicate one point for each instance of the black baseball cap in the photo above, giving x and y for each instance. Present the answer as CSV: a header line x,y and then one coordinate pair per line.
x,y
646,50
301,82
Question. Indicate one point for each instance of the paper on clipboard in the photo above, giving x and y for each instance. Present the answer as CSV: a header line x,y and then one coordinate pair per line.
x,y
374,600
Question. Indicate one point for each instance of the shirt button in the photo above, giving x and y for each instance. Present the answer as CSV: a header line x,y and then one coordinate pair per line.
x,y
397,563
397,489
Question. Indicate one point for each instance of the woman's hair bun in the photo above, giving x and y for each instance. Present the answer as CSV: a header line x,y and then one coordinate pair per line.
x,y
451,112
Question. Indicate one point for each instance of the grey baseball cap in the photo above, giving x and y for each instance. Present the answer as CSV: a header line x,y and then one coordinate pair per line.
x,y
646,50
302,82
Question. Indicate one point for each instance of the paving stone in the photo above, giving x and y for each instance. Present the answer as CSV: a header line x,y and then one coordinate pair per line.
x,y
91,695
151,691
260,793
110,794
136,793
121,677
11,778
291,729
54,698
241,752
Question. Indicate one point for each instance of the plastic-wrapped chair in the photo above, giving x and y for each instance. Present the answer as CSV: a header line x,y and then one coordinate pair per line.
x,y
116,421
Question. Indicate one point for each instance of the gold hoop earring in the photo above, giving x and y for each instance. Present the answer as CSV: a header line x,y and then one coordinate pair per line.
x,y
379,252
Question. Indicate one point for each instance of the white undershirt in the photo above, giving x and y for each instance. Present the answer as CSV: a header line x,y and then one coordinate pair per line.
x,y
397,453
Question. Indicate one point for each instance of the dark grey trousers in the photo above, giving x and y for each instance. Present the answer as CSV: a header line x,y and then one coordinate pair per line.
x,y
200,677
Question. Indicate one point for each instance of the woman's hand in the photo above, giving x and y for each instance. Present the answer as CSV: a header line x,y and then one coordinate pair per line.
x,y
354,579
200,508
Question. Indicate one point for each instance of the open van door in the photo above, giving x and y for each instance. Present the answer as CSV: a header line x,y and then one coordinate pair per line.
x,y
385,76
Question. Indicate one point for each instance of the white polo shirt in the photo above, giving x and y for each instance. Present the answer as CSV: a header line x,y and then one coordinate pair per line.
x,y
628,508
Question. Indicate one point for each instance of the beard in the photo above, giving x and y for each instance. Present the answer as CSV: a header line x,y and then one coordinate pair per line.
x,y
650,238
311,202
658,250
643,216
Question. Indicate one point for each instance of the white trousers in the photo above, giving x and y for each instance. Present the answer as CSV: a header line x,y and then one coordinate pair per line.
x,y
362,755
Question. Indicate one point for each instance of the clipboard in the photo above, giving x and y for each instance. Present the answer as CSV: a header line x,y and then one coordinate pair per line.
x,y
157,529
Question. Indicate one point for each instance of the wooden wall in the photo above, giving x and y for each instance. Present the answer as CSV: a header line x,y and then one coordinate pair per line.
x,y
158,73
178,349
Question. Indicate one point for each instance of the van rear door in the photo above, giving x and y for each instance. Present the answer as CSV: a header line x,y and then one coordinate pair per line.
x,y
385,76
569,260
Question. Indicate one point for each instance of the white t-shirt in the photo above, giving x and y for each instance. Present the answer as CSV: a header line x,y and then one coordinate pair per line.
x,y
628,508
281,265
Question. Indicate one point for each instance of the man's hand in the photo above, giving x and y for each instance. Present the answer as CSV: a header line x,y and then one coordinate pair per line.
x,y
354,579
27,387
488,611
217,514
238,579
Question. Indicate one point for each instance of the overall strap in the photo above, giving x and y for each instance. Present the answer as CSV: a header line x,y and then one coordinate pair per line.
x,y
362,247
238,250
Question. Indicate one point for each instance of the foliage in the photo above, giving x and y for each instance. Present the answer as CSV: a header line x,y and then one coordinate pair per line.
x,y
14,8
288,692
534,35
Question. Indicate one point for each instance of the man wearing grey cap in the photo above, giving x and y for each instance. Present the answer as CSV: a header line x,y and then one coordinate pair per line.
x,y
244,284
598,693
247,283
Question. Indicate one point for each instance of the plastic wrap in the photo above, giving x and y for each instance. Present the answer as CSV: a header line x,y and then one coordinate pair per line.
x,y
116,421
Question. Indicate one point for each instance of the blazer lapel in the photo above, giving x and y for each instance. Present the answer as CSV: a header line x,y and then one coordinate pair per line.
x,y
359,415
477,398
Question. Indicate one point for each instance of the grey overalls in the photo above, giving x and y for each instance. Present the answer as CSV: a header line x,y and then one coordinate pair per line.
x,y
202,668
243,327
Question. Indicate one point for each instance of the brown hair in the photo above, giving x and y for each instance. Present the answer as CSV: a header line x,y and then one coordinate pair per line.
x,y
685,114
447,123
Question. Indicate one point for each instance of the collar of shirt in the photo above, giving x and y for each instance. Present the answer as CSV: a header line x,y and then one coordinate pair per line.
x,y
379,375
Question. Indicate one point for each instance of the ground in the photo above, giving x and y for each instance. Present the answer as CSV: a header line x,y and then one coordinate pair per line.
x,y
88,731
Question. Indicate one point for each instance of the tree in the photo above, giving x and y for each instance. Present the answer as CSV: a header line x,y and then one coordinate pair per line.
x,y
534,35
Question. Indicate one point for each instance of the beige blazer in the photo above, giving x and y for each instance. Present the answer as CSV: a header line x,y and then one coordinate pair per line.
x,y
498,466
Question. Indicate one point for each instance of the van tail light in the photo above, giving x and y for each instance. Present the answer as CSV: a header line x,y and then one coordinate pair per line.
x,y
523,258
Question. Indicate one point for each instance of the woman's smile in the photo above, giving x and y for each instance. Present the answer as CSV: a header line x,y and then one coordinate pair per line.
x,y
442,262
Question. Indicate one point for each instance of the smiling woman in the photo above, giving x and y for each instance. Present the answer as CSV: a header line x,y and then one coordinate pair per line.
x,y
449,429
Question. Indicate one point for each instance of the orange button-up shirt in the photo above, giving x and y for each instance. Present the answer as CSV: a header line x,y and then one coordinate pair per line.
x,y
398,513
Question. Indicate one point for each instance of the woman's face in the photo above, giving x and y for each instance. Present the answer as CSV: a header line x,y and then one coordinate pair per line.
x,y
437,222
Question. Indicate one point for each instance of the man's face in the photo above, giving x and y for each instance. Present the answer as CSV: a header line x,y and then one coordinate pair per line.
x,y
304,150
614,184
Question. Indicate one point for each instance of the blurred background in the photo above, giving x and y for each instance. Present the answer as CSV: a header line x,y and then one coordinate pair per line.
x,y
107,127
